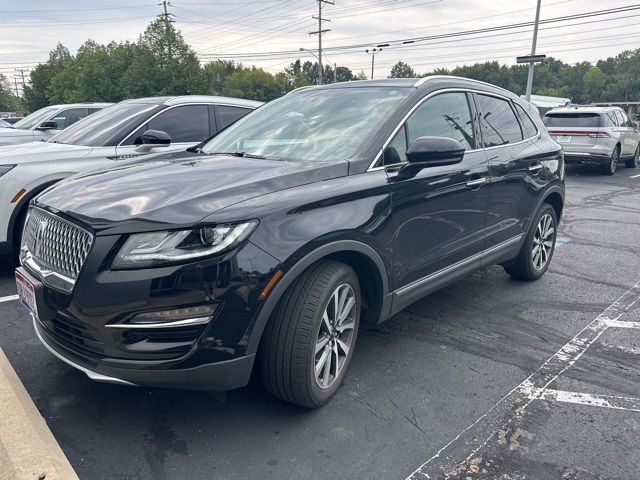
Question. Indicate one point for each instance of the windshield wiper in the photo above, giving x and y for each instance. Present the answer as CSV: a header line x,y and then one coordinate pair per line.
x,y
240,154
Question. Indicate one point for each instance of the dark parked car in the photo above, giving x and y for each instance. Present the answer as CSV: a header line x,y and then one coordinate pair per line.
x,y
327,210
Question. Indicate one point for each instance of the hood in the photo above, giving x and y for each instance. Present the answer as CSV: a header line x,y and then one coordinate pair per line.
x,y
11,135
40,151
176,192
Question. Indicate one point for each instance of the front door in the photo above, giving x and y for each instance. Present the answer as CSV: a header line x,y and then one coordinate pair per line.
x,y
439,213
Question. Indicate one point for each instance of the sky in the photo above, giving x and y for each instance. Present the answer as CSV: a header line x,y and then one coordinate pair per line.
x,y
270,33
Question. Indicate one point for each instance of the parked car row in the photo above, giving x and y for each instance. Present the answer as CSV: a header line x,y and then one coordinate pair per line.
x,y
274,241
46,122
600,136
123,131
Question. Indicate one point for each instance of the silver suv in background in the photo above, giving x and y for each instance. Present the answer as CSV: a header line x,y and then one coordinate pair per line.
x,y
46,122
595,135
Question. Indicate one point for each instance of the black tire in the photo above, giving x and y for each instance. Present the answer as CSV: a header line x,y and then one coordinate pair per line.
x,y
523,268
287,354
612,165
633,162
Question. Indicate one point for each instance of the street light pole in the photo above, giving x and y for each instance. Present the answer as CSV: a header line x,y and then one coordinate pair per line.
x,y
533,53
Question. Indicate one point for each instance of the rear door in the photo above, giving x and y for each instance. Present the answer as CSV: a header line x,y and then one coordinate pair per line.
x,y
515,170
627,134
438,214
227,114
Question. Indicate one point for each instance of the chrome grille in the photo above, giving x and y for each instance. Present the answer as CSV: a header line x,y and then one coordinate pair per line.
x,y
56,244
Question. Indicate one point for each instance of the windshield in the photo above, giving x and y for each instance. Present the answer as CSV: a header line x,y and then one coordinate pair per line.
x,y
572,120
35,118
310,125
107,127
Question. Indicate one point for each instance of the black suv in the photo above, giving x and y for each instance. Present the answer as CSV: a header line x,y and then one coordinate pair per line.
x,y
327,210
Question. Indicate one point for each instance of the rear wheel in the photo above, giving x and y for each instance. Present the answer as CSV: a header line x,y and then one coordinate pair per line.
x,y
610,167
633,162
308,343
536,252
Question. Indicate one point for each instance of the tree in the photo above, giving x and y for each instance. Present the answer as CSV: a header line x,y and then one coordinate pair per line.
x,y
402,70
163,64
252,83
8,101
216,74
593,81
36,93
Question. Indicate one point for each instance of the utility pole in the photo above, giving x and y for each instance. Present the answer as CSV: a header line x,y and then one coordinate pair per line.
x,y
320,32
15,80
533,52
373,52
166,16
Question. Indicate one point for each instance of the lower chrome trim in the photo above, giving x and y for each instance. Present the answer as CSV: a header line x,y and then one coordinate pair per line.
x,y
455,266
98,377
176,324
48,277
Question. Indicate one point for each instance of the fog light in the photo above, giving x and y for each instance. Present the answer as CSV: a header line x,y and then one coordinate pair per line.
x,y
178,317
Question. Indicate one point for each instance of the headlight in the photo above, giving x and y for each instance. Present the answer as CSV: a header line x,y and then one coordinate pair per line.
x,y
159,248
5,168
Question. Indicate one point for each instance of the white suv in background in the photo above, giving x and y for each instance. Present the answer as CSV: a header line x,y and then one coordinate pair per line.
x,y
46,122
123,131
595,135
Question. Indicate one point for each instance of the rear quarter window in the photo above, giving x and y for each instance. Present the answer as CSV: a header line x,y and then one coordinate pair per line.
x,y
576,119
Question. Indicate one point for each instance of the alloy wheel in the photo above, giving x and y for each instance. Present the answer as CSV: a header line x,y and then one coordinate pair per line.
x,y
614,160
335,336
543,242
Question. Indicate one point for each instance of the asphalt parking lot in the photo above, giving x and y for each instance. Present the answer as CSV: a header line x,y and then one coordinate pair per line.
x,y
488,378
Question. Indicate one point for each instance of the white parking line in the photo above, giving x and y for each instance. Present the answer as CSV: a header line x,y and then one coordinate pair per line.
x,y
9,298
470,440
634,176
606,401
622,324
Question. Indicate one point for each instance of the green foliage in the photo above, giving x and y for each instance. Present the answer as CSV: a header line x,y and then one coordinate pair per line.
x,y
402,70
613,79
36,93
8,101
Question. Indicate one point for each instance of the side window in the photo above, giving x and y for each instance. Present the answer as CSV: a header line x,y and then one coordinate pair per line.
x,y
445,115
66,118
625,120
619,119
188,123
528,127
609,120
499,124
228,115
396,151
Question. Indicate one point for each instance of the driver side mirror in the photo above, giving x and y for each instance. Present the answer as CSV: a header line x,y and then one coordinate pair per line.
x,y
151,139
49,125
426,152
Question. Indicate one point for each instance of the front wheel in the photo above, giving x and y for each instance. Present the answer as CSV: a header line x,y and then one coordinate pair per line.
x,y
610,167
633,162
536,252
308,343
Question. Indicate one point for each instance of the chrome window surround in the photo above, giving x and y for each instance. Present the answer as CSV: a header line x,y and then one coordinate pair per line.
x,y
424,99
63,278
171,107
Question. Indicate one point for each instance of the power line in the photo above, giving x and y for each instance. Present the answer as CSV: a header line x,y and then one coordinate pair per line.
x,y
320,32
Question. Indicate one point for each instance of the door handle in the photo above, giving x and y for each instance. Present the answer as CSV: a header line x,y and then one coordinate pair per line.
x,y
535,168
477,182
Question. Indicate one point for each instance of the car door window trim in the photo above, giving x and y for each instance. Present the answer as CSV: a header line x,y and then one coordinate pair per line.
x,y
379,156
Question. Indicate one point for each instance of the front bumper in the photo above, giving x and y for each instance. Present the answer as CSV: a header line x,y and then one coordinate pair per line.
x,y
77,327
220,376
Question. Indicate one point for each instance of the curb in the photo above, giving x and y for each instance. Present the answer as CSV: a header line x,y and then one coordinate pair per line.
x,y
28,449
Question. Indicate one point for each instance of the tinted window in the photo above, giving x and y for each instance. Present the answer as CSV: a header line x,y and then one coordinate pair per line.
x,y
499,123
528,127
108,126
445,115
228,115
609,120
574,119
396,151
315,125
188,123
622,118
66,118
